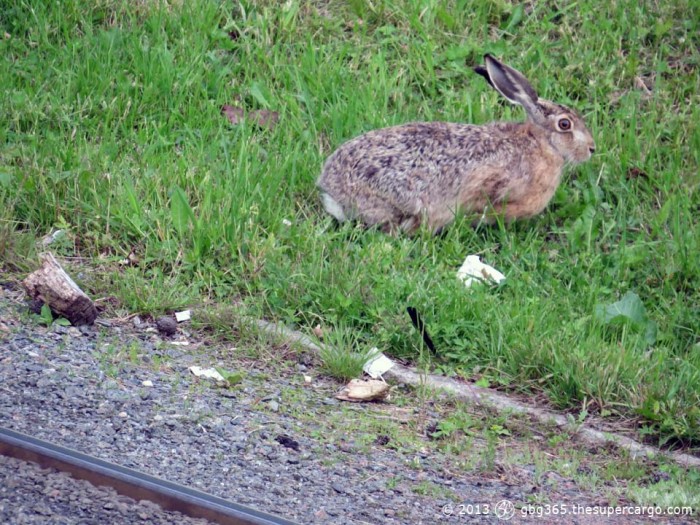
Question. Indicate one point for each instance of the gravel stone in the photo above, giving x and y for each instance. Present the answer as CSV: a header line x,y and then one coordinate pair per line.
x,y
166,325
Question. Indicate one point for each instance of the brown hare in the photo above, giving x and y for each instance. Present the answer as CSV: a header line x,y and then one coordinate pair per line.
x,y
424,173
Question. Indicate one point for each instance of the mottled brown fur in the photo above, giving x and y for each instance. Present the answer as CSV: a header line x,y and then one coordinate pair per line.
x,y
402,176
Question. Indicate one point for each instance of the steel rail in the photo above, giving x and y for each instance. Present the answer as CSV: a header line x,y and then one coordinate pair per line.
x,y
132,483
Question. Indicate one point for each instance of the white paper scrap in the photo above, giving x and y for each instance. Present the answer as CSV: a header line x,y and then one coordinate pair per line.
x,y
207,372
183,316
49,239
378,364
473,270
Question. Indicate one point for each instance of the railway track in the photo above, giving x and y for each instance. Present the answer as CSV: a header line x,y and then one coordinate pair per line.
x,y
132,483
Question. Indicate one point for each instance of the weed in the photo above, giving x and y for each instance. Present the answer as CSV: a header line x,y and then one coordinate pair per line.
x,y
393,482
232,378
665,495
134,353
339,355
431,489
46,317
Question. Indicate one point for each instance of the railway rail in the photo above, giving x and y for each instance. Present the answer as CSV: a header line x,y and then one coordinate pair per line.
x,y
129,482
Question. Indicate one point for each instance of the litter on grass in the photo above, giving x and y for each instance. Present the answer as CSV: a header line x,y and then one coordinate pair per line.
x,y
359,390
378,364
210,373
185,315
473,270
50,239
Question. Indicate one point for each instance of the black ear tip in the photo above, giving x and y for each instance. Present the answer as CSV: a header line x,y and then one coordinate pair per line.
x,y
489,56
481,70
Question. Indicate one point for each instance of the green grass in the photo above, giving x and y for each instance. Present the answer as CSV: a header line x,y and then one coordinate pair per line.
x,y
339,355
112,131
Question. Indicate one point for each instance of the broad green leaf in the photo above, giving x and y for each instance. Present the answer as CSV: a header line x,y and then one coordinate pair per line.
x,y
629,308
232,378
46,316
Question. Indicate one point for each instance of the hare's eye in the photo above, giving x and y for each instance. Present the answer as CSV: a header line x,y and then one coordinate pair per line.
x,y
564,124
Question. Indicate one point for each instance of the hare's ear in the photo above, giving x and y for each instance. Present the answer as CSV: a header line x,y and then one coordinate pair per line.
x,y
510,83
481,70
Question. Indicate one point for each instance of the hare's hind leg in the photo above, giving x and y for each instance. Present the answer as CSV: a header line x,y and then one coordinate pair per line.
x,y
376,211
437,217
372,210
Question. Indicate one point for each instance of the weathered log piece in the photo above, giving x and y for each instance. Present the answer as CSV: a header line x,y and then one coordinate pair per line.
x,y
52,285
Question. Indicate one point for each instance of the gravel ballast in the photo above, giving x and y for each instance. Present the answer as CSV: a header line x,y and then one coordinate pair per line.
x,y
127,396
30,494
